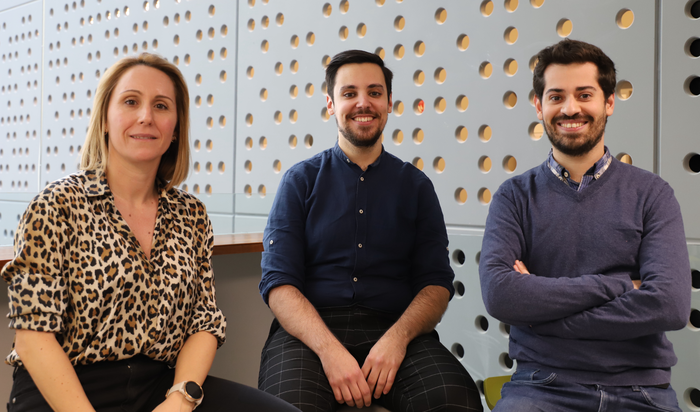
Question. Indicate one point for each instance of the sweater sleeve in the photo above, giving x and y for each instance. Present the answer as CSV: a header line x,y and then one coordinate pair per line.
x,y
662,303
522,299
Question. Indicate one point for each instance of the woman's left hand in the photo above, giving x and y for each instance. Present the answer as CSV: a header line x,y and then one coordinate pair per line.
x,y
175,403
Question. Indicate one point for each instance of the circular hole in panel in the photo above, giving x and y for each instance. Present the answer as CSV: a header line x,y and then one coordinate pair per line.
x,y
398,108
248,190
509,164
293,91
343,33
510,35
223,30
461,195
279,19
692,47
462,103
324,114
222,121
210,55
397,137
693,9
457,350
308,141
510,67
380,52
361,30
438,164
262,143
461,134
294,66
535,130
249,120
279,68
510,99
692,85
327,10
484,196
418,77
440,15
533,63
624,90
265,22
440,105
418,136
294,41
223,76
504,328
248,166
276,166
344,6
263,94
511,5
278,117
691,163
462,42
485,133
418,106
624,18
564,27
692,395
419,48
537,3
459,289
264,46
694,321
485,70
505,361
250,72
293,115
248,143
309,90
440,75
624,158
292,141
695,276
418,163
325,61
310,38
209,145
399,51
262,191
198,101
486,8
211,32
399,23
208,167
481,323
379,3
485,164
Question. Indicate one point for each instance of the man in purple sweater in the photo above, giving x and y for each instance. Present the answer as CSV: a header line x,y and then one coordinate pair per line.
x,y
585,257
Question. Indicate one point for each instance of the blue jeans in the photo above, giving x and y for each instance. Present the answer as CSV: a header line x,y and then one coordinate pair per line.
x,y
531,390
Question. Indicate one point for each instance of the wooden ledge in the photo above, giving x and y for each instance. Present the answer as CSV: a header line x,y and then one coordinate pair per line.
x,y
223,245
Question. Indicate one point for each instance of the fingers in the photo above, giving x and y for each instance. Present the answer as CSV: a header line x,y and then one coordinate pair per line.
x,y
389,381
637,283
520,267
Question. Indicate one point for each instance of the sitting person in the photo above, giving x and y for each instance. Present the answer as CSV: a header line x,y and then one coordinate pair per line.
x,y
111,287
356,268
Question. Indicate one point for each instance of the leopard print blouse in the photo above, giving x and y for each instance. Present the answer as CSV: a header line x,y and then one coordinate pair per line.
x,y
80,273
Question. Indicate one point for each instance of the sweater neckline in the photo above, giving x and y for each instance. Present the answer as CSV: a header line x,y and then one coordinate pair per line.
x,y
588,191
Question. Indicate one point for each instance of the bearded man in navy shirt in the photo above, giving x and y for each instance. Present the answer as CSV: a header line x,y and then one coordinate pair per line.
x,y
356,268
585,257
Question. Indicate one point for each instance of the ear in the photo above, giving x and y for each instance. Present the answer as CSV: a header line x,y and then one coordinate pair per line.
x,y
610,104
329,105
538,107
391,105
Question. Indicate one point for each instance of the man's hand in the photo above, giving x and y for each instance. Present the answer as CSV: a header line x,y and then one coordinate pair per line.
x,y
346,378
519,267
382,363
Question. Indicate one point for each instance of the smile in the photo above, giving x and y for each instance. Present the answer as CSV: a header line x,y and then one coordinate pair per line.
x,y
363,119
142,137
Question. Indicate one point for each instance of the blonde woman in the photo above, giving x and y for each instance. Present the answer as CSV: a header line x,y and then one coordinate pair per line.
x,y
111,288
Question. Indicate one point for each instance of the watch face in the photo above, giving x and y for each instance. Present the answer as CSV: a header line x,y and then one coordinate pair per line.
x,y
193,390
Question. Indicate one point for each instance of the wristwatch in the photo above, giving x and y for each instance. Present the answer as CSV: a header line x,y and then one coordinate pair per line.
x,y
192,391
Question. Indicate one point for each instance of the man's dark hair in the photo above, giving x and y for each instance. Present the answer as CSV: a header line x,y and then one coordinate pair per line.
x,y
355,56
572,52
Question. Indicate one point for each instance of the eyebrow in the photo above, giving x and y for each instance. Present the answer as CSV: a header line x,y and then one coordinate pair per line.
x,y
161,96
371,86
578,89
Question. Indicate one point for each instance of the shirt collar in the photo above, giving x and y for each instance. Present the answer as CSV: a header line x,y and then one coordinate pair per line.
x,y
341,155
95,185
596,170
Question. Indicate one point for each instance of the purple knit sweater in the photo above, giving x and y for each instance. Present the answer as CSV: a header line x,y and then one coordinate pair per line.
x,y
578,314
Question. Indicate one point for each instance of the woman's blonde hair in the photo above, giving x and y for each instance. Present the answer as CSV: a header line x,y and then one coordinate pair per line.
x,y
175,163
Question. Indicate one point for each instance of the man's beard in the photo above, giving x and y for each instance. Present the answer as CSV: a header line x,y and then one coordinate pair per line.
x,y
360,139
576,145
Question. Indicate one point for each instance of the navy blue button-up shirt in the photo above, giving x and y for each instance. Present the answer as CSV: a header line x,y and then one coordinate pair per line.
x,y
344,236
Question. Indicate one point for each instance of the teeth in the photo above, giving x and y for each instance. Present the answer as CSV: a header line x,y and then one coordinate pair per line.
x,y
363,119
572,125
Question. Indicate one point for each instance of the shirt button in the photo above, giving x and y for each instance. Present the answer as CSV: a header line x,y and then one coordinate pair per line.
x,y
272,241
354,279
362,179
597,176
362,211
347,160
359,245
566,174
